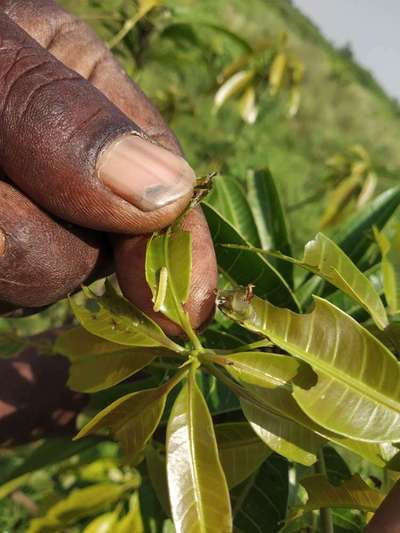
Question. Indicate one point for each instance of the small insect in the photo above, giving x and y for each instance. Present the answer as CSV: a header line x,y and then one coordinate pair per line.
x,y
162,289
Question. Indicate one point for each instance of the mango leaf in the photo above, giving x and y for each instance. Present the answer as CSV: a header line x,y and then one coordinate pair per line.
x,y
248,106
113,318
261,368
260,502
132,522
294,101
324,258
338,198
133,418
390,269
92,373
367,190
197,487
241,452
356,396
269,217
282,426
275,415
168,272
80,503
157,471
277,72
353,493
245,267
229,199
104,523
232,86
354,237
49,452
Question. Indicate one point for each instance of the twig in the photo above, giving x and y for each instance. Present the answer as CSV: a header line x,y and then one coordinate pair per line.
x,y
325,513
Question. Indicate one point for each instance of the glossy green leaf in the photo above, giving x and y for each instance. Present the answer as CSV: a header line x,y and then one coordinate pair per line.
x,y
78,504
229,199
324,258
197,487
168,272
245,267
104,523
241,452
261,368
353,493
77,341
259,504
133,418
269,217
232,86
113,318
357,393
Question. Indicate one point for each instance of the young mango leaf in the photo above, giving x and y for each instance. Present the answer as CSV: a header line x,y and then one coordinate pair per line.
x,y
133,418
353,493
356,396
232,86
390,269
265,203
246,267
260,502
197,486
229,199
261,368
113,318
80,503
324,258
168,272
241,452
77,341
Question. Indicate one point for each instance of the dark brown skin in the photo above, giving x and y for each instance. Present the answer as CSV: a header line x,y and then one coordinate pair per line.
x,y
387,517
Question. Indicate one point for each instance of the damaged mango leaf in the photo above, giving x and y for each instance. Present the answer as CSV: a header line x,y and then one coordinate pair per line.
x,y
113,318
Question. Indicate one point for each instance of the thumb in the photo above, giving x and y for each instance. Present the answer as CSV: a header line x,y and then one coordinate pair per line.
x,y
74,153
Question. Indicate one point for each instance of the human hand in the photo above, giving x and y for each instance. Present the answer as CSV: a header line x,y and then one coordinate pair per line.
x,y
82,153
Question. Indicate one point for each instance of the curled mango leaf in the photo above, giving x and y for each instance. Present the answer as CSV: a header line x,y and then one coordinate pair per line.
x,y
113,318
241,452
367,190
264,369
232,86
168,272
294,101
357,392
133,418
104,523
197,487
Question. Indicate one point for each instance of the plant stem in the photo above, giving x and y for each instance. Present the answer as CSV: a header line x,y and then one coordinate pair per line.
x,y
324,513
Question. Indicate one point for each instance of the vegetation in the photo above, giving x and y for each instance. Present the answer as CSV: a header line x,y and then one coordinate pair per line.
x,y
283,415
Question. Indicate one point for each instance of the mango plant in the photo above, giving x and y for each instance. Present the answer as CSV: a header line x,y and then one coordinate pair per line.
x,y
282,415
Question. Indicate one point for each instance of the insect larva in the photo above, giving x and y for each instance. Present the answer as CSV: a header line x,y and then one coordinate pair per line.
x,y
162,289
